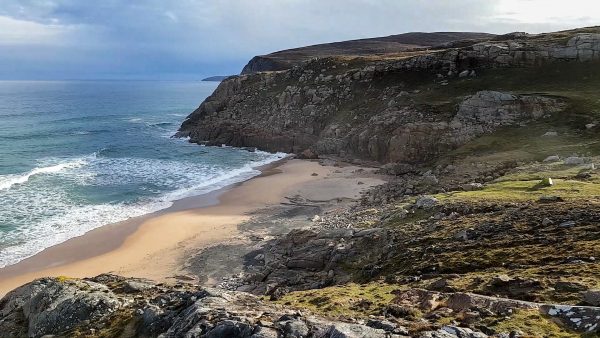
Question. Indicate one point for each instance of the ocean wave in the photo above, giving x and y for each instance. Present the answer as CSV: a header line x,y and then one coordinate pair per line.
x,y
8,181
61,219
230,177
160,124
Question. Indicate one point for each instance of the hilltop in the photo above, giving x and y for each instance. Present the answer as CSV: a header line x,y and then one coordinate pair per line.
x,y
392,44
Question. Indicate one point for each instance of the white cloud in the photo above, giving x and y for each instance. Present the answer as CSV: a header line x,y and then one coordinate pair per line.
x,y
172,16
550,12
19,32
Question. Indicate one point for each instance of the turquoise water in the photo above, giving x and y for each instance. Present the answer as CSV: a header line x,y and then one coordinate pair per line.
x,y
75,155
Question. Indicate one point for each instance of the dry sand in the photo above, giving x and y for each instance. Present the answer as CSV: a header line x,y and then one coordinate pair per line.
x,y
154,246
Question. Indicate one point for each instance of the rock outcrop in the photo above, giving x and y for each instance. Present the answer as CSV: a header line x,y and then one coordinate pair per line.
x,y
309,259
384,108
106,306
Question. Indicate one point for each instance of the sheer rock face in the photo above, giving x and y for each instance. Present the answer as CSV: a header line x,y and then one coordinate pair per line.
x,y
244,111
374,108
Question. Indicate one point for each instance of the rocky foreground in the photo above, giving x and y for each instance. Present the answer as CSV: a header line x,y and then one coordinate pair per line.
x,y
113,306
488,225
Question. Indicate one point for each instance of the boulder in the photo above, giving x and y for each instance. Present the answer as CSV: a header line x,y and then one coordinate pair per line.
x,y
308,154
346,330
591,297
293,328
55,305
551,159
574,160
426,202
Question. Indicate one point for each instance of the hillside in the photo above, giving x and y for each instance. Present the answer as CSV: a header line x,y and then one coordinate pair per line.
x,y
363,47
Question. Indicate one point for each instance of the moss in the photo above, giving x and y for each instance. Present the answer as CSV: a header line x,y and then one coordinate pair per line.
x,y
532,323
63,279
123,324
514,191
350,300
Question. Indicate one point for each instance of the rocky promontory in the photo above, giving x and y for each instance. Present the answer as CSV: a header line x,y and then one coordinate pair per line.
x,y
400,107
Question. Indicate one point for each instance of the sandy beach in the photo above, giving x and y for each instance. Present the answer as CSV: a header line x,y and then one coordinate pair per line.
x,y
162,240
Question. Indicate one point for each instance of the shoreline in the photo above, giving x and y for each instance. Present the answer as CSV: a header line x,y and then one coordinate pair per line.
x,y
110,236
162,239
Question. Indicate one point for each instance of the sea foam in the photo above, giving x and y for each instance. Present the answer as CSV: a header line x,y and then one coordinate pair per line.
x,y
8,181
52,217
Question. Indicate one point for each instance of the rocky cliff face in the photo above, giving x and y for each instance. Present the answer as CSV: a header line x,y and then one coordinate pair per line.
x,y
386,109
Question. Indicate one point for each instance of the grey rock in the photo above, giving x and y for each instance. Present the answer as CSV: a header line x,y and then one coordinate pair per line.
x,y
429,179
464,73
383,324
52,306
579,318
592,297
132,286
566,286
426,202
230,328
265,332
567,224
345,330
551,159
574,160
462,332
294,328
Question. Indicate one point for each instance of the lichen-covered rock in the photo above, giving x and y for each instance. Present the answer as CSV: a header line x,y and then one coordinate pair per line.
x,y
52,306
579,318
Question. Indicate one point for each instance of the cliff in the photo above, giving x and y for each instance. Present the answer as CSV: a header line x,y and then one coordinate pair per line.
x,y
401,107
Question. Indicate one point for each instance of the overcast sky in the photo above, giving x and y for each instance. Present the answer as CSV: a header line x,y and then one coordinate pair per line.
x,y
189,39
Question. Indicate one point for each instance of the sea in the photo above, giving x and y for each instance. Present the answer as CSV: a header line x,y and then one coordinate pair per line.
x,y
76,155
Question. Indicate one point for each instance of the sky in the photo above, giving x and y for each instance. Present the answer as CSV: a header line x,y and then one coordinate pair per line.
x,y
191,39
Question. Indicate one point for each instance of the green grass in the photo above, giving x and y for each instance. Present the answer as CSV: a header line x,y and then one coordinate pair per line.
x,y
533,324
519,191
350,300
